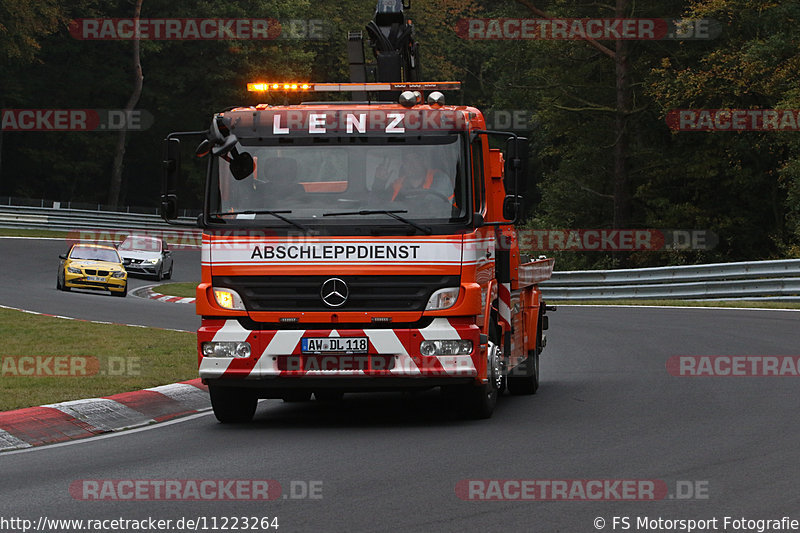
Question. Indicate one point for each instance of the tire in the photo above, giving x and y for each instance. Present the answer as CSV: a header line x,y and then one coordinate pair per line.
x,y
479,401
122,294
297,396
233,405
329,396
160,273
524,379
168,275
61,284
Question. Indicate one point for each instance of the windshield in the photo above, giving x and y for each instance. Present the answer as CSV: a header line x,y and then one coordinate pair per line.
x,y
91,253
352,179
140,244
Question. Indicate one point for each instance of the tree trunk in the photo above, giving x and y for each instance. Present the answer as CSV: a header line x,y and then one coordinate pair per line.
x,y
119,152
622,199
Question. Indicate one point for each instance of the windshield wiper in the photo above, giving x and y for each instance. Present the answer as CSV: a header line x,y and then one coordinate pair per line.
x,y
276,214
392,214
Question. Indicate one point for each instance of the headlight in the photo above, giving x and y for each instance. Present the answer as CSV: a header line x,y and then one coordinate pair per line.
x,y
119,274
228,298
446,347
150,261
226,349
443,299
73,270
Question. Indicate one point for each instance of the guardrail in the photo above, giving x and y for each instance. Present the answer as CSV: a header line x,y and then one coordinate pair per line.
x,y
753,280
56,219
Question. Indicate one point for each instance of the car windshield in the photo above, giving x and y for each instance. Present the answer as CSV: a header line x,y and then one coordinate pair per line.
x,y
356,179
137,243
91,253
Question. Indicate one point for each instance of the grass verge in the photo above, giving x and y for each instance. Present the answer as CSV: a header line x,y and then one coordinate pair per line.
x,y
183,290
14,232
71,360
684,303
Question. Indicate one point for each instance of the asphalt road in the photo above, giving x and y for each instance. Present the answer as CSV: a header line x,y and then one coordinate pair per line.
x,y
28,270
607,409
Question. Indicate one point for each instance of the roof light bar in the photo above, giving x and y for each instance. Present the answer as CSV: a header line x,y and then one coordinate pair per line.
x,y
352,87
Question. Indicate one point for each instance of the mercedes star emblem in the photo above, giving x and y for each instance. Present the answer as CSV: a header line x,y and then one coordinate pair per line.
x,y
334,292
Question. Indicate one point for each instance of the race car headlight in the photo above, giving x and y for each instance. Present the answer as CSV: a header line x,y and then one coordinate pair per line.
x,y
228,298
446,347
150,261
443,299
119,274
239,350
73,270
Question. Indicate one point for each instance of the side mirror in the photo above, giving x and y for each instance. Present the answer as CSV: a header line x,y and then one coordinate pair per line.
x,y
512,206
171,165
517,160
62,256
242,165
226,146
203,148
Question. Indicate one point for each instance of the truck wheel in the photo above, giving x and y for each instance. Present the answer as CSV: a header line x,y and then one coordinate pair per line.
x,y
480,401
232,405
297,396
329,396
524,379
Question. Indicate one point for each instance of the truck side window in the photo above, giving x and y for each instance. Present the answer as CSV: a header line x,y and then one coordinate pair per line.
x,y
478,190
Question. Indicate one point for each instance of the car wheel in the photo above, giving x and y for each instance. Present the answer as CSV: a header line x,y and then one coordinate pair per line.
x,y
160,273
232,405
168,275
60,283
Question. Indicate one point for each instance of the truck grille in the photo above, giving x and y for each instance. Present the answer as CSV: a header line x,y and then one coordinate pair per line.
x,y
366,293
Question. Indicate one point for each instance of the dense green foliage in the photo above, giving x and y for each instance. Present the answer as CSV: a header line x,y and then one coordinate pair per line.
x,y
743,186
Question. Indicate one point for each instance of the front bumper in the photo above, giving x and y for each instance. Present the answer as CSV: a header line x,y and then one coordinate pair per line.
x,y
80,281
393,357
143,268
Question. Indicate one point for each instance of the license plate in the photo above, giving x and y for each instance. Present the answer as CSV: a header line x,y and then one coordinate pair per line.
x,y
334,344
95,278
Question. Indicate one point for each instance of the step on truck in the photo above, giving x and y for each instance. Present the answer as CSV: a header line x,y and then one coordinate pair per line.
x,y
362,246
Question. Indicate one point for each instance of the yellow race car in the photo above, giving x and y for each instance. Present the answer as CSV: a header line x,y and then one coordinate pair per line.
x,y
92,266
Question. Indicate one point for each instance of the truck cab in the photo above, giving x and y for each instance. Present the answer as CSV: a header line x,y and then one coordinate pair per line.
x,y
355,247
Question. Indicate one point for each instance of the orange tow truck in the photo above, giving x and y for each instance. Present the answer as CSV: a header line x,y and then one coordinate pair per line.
x,y
358,246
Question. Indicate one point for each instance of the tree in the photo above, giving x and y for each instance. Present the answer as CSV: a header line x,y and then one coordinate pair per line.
x,y
119,152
